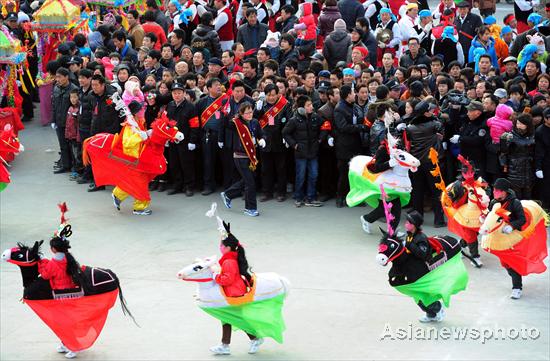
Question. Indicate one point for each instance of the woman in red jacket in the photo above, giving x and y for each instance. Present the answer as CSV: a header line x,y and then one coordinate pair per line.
x,y
63,272
235,279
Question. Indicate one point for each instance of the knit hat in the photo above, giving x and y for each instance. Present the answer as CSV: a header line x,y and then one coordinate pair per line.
x,y
505,30
415,218
534,18
502,184
348,71
490,20
424,13
363,50
449,33
501,93
339,25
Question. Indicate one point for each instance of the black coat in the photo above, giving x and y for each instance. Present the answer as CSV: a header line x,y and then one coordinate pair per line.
x,y
336,47
467,31
86,109
517,156
513,205
244,36
381,160
205,37
347,134
351,10
422,133
407,60
273,134
61,103
225,135
474,137
418,245
105,118
182,114
303,134
542,150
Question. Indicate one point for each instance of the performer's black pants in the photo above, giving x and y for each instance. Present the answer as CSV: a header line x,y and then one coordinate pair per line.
x,y
274,172
247,182
182,166
423,182
516,278
226,334
378,213
472,247
430,310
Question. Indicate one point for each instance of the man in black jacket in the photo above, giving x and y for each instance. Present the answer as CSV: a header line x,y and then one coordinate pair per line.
x,y
466,24
505,196
415,55
303,134
60,106
542,157
272,117
105,118
85,116
424,132
182,154
253,33
473,136
347,126
328,173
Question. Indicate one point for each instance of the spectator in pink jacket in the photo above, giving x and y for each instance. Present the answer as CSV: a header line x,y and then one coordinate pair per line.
x,y
500,123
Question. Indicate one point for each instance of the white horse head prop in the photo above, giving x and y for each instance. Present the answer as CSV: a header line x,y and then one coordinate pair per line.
x,y
198,270
403,159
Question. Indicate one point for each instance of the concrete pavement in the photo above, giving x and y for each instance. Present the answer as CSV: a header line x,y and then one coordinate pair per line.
x,y
339,307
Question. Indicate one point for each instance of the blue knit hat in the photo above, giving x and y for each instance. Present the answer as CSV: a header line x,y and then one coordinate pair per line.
x,y
535,18
449,33
505,30
490,20
424,13
348,71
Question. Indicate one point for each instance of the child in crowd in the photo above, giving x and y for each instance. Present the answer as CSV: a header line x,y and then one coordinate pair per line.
x,y
72,134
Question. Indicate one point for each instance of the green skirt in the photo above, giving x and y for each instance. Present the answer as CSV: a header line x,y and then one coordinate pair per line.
x,y
260,318
363,190
439,284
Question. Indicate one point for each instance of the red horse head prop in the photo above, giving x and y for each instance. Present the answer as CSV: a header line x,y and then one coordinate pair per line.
x,y
164,130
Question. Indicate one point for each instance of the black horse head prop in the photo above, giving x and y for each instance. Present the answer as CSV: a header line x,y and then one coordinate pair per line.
x,y
389,249
23,255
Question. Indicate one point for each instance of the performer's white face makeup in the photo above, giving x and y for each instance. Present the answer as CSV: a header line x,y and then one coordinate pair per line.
x,y
499,195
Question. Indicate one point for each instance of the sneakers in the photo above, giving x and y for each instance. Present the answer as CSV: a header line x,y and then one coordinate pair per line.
x,y
61,348
298,204
251,212
440,315
426,319
365,225
516,294
255,345
313,203
476,262
226,200
143,212
70,355
221,349
74,176
116,202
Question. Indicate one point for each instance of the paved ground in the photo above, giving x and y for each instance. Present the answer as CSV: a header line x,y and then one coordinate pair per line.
x,y
339,306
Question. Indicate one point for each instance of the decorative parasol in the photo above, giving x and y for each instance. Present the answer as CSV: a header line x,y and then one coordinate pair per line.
x,y
56,16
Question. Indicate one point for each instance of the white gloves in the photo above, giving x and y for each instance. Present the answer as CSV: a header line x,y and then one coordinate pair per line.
x,y
454,139
259,104
401,126
381,45
54,126
262,143
507,229
286,144
444,145
143,135
392,162
539,174
330,142
220,145
191,146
